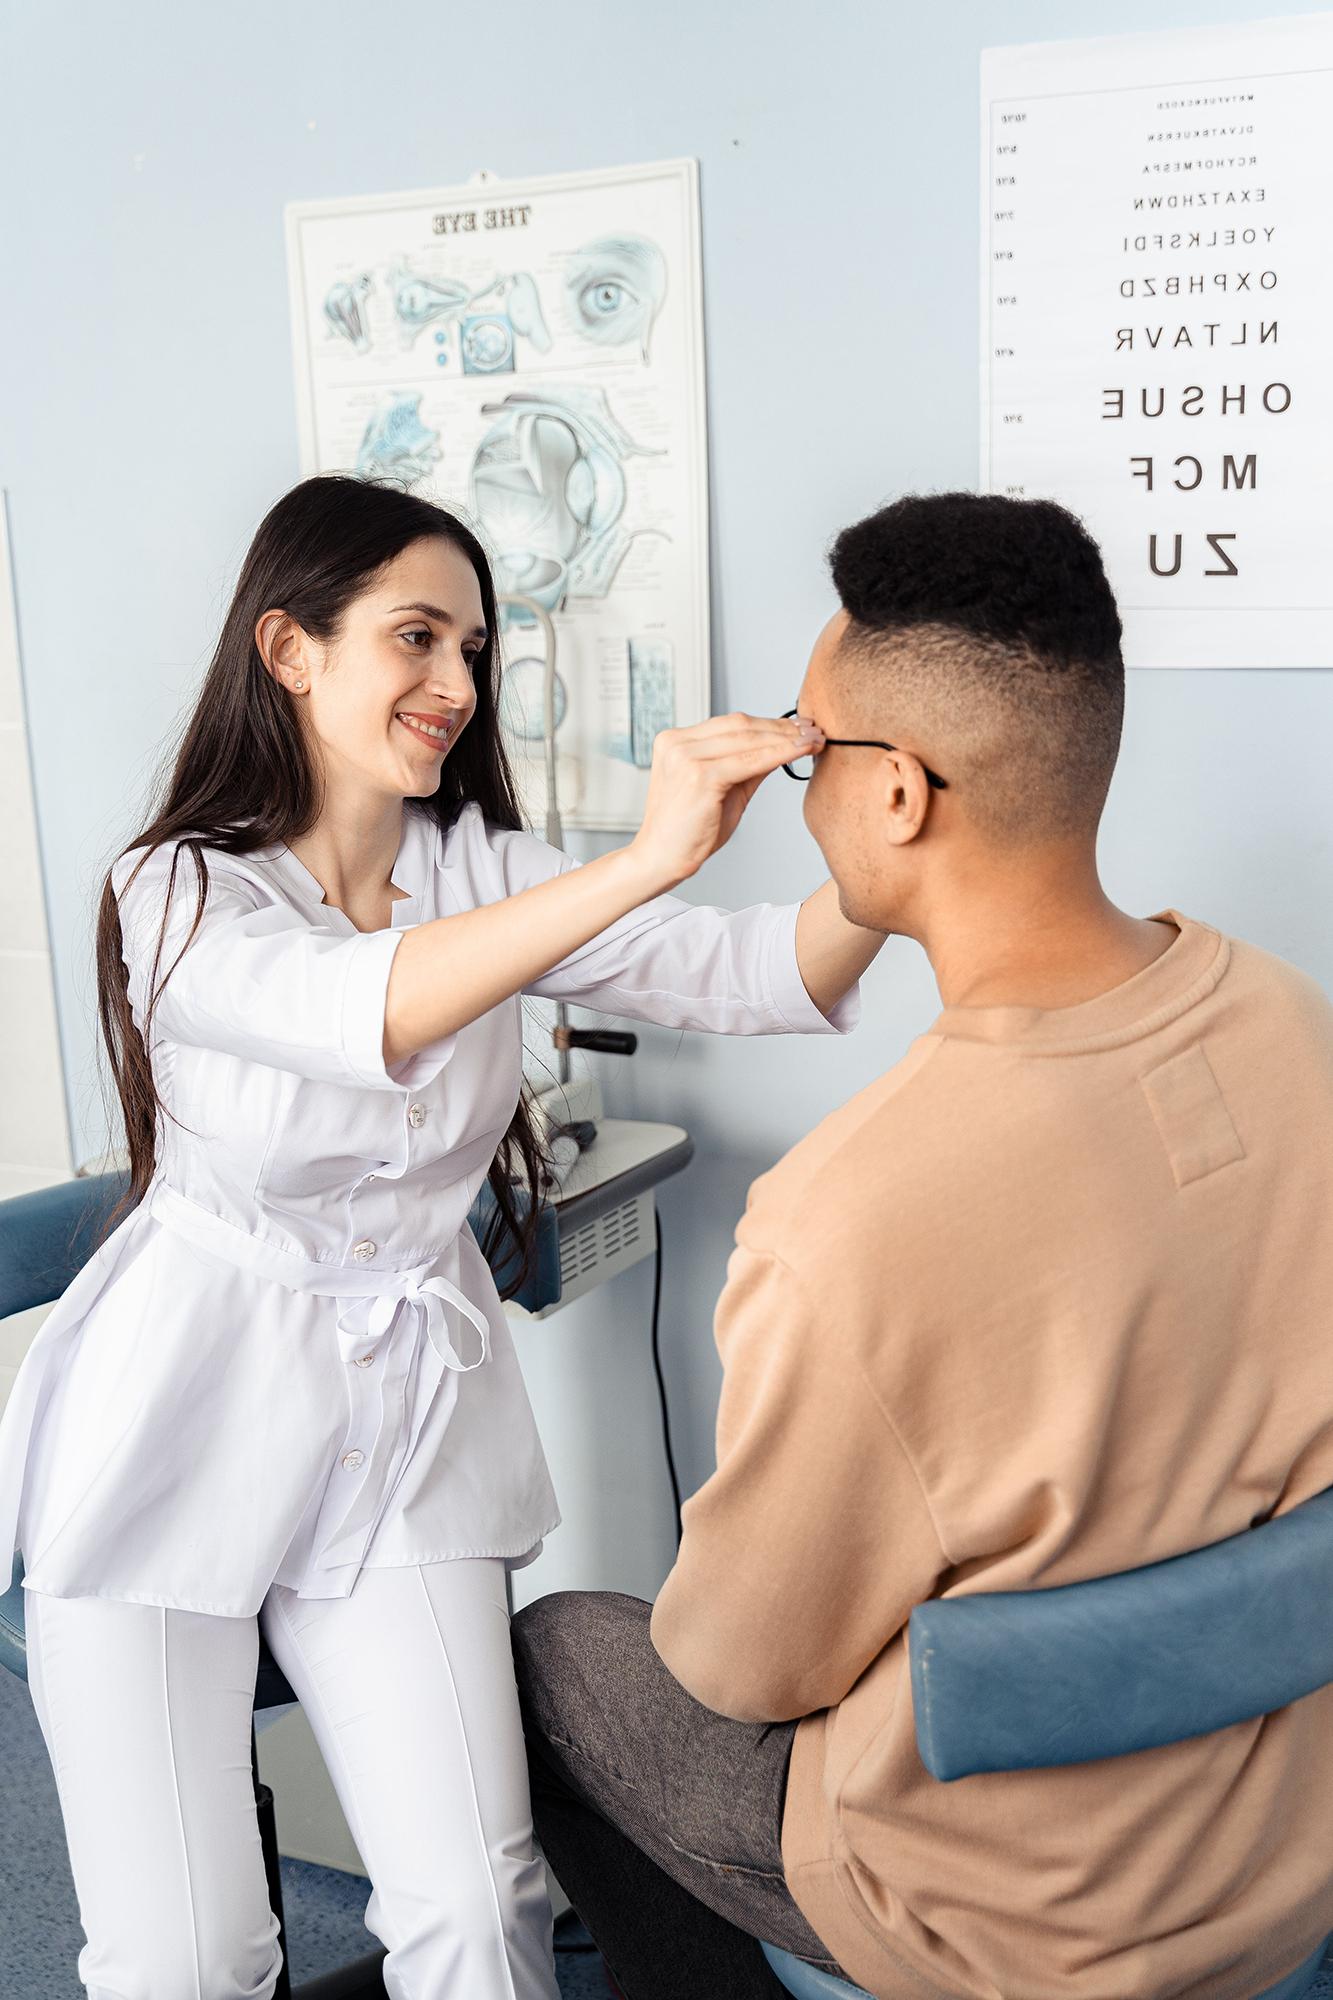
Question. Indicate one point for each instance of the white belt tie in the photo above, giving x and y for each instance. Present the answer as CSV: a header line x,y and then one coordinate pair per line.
x,y
367,1301
369,1318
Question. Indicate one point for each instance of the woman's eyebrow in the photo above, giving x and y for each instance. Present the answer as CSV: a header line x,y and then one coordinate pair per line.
x,y
441,617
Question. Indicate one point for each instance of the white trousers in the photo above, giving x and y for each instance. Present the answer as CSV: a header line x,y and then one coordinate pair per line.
x,y
408,1685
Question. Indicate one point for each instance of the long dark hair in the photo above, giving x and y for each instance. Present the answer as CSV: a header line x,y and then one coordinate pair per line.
x,y
243,777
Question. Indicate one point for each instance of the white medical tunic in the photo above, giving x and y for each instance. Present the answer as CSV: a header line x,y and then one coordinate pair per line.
x,y
290,1360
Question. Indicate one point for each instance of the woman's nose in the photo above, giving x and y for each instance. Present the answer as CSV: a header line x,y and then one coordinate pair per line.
x,y
453,683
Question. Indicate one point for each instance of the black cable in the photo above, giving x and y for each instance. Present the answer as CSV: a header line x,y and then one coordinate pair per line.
x,y
657,1370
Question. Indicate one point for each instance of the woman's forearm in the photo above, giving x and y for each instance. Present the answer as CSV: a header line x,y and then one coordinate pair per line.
x,y
454,969
831,952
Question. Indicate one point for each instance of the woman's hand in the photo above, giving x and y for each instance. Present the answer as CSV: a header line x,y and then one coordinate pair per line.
x,y
702,780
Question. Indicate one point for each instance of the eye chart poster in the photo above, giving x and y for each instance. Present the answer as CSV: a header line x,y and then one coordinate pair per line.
x,y
1156,299
530,354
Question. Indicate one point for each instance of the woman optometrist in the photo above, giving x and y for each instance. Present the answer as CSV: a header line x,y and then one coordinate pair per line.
x,y
282,1394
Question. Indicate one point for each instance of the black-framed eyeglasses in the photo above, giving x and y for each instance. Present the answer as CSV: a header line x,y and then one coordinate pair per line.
x,y
803,768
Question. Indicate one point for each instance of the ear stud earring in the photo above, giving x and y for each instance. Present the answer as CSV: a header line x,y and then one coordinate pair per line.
x,y
298,684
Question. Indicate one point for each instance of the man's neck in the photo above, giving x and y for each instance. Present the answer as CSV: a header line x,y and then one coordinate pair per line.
x,y
1053,952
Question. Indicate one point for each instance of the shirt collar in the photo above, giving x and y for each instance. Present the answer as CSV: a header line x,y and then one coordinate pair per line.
x,y
1186,973
415,847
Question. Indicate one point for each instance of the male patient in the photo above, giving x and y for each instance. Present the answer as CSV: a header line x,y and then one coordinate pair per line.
x,y
1049,1299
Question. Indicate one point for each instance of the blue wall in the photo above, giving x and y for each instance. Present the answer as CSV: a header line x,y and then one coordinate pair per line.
x,y
149,421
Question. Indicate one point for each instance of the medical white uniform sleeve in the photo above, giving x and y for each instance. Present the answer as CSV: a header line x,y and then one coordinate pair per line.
x,y
682,965
259,980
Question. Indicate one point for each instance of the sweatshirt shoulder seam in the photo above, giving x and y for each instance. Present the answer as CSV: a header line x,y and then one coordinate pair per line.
x,y
886,1415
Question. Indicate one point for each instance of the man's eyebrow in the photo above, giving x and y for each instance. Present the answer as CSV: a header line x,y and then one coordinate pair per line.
x,y
441,617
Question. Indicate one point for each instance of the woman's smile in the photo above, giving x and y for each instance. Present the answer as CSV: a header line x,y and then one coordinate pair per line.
x,y
435,731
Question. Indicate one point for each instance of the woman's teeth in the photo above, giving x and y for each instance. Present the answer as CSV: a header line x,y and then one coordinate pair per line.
x,y
437,734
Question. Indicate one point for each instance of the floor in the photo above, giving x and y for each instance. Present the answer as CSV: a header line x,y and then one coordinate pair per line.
x,y
40,1933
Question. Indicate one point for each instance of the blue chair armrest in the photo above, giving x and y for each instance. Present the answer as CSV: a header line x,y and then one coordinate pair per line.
x,y
48,1235
13,1639
1014,1680
807,1982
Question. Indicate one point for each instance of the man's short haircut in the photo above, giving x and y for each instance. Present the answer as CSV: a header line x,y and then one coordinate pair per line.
x,y
988,625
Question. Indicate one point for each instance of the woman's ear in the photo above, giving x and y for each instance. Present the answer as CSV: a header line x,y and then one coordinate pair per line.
x,y
283,648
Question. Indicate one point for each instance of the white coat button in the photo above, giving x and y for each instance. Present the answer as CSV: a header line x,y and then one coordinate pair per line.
x,y
416,1114
364,1250
372,1177
363,1360
352,1459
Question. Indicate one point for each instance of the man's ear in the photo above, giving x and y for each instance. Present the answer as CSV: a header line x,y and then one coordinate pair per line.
x,y
906,796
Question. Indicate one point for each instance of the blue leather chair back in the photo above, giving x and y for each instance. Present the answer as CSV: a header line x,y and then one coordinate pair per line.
x,y
1011,1680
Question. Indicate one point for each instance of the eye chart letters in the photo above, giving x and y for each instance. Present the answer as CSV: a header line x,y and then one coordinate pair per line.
x,y
1156,297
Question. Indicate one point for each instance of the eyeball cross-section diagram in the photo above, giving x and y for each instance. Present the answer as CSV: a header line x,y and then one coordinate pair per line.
x,y
548,487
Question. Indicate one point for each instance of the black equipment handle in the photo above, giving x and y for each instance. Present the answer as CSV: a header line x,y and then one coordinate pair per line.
x,y
604,1041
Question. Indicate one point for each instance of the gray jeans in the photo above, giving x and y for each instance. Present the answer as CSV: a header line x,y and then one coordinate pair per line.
x,y
661,1820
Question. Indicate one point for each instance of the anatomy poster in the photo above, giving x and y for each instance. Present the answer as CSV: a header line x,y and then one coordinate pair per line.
x,y
1156,298
530,354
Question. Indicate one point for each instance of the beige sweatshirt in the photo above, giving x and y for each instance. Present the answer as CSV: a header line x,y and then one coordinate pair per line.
x,y
1052,1298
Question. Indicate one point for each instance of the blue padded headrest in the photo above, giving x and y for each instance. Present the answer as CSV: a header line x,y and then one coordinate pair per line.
x,y
1012,1680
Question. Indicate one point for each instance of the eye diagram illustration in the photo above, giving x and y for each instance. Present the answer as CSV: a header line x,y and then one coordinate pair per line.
x,y
344,309
652,695
614,290
487,340
510,305
397,445
487,344
548,487
523,306
420,301
522,700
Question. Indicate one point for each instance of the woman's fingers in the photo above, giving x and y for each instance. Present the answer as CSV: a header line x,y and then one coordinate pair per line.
x,y
703,778
749,764
738,725
767,743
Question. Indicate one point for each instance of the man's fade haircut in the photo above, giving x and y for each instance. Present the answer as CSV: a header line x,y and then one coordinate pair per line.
x,y
988,625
